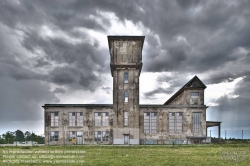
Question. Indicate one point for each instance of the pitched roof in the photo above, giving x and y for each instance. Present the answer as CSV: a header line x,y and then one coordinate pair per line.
x,y
189,84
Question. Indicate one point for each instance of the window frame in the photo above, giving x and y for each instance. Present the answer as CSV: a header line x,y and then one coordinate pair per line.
x,y
75,119
194,94
196,122
150,122
103,119
54,119
126,77
101,136
125,114
126,96
175,123
54,136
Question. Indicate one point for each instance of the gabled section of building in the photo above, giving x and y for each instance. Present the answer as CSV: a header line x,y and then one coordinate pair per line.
x,y
192,93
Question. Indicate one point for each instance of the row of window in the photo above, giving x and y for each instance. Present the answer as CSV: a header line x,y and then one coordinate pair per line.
x,y
175,122
76,119
150,121
100,136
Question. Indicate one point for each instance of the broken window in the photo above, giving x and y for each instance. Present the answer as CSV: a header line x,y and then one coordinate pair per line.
x,y
175,122
98,136
105,136
197,122
54,118
101,119
101,136
75,119
54,136
126,96
125,77
125,118
150,122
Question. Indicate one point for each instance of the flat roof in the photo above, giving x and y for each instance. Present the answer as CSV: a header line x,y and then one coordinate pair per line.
x,y
111,105
77,105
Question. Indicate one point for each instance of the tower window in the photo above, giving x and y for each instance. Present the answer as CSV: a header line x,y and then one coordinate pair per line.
x,y
126,96
126,118
125,77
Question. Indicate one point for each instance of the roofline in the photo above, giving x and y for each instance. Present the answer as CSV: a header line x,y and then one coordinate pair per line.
x,y
213,122
172,106
77,105
182,89
111,105
142,38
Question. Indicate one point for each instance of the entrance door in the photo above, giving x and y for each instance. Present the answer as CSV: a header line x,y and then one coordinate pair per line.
x,y
79,138
126,139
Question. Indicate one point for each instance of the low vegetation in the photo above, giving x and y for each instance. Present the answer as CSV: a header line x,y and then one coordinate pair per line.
x,y
224,154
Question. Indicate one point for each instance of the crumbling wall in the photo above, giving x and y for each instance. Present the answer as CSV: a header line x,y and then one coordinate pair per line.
x,y
88,127
163,134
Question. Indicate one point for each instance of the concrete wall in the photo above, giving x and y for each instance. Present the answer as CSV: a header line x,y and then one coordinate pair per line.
x,y
88,127
163,123
116,133
125,57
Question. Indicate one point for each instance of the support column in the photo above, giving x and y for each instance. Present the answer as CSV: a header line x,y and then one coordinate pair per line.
x,y
219,131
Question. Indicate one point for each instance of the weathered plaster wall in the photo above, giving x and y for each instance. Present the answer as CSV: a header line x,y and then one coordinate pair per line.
x,y
163,123
88,127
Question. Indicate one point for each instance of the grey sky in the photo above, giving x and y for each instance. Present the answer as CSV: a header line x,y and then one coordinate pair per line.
x,y
57,52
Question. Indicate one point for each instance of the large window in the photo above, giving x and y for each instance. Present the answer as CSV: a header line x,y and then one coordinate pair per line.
x,y
54,118
54,136
197,122
125,77
101,119
150,122
125,118
76,119
101,136
126,96
175,122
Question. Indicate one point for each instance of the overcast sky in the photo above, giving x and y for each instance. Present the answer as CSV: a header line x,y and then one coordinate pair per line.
x,y
56,52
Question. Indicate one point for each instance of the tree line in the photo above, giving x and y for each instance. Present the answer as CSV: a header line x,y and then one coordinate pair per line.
x,y
9,137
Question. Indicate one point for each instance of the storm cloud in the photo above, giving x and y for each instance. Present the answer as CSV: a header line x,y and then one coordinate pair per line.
x,y
52,48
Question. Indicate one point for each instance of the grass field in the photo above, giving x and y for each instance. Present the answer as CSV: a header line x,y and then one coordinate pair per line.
x,y
212,155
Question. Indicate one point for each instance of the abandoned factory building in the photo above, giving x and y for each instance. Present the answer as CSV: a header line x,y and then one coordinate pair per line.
x,y
181,119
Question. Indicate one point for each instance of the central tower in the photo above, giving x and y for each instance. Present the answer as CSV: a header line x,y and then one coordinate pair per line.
x,y
125,65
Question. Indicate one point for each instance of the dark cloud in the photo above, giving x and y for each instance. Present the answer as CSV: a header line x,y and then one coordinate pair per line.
x,y
23,99
47,42
59,90
151,94
175,82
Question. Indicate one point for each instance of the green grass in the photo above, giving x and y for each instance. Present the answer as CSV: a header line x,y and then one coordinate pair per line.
x,y
142,155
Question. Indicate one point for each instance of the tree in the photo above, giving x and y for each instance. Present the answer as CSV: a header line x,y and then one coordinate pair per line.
x,y
19,135
27,136
9,137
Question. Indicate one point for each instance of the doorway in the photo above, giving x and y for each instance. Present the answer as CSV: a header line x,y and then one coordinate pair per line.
x,y
126,139
79,138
